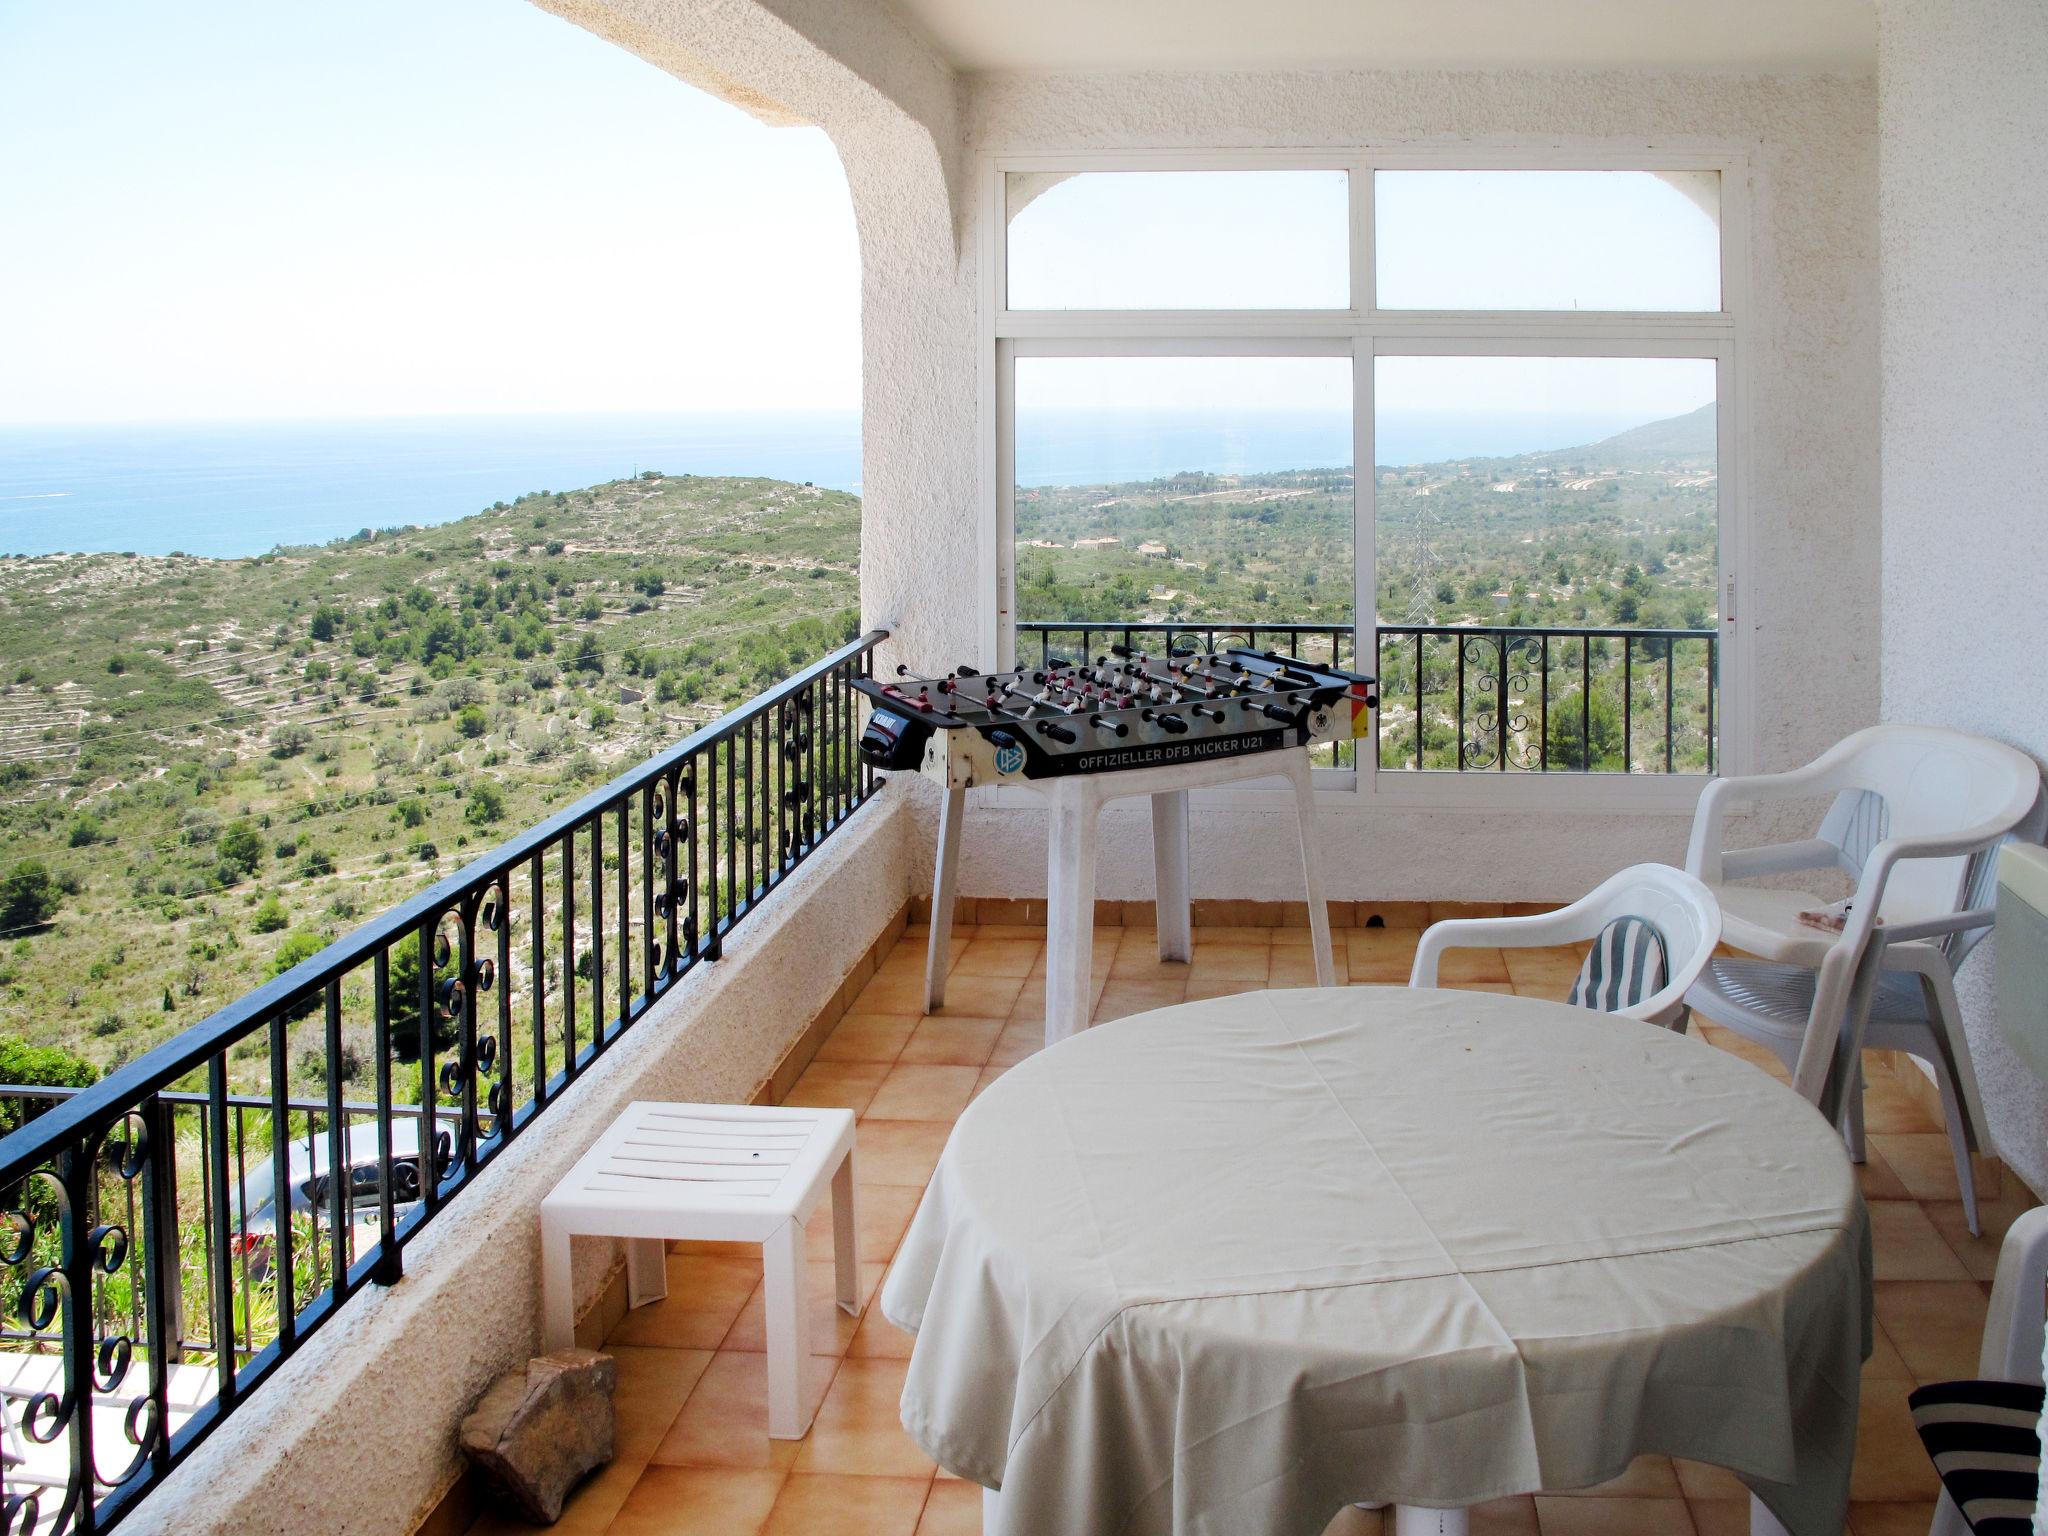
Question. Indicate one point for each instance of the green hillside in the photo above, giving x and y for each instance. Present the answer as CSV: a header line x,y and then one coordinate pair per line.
x,y
1618,534
219,763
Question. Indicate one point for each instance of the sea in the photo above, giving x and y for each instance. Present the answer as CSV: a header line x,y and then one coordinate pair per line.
x,y
228,489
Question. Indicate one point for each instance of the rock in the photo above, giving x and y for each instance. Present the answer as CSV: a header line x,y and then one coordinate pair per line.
x,y
541,1429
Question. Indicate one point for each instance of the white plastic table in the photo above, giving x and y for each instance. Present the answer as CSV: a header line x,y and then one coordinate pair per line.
x,y
741,1173
1221,1269
1074,807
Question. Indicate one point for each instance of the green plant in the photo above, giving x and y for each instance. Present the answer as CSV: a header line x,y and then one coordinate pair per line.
x,y
28,896
241,847
270,916
486,804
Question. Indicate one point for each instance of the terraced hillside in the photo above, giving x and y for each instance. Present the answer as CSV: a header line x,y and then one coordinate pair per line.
x,y
216,765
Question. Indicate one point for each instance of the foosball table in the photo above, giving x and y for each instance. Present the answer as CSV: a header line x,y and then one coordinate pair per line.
x,y
1084,732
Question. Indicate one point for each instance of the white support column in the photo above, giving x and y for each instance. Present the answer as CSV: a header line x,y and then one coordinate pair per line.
x,y
1413,1520
945,884
646,1270
1070,907
784,1288
557,1290
1298,775
1172,895
846,1237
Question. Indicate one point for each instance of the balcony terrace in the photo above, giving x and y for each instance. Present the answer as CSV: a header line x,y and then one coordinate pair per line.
x,y
242,1307
694,1452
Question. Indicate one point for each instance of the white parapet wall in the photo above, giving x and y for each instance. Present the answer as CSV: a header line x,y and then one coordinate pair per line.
x,y
356,1433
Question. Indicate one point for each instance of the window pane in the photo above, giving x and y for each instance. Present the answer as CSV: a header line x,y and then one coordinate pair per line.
x,y
1596,240
1179,240
1534,517
1213,493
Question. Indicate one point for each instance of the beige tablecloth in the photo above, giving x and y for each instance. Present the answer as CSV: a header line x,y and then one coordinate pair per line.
x,y
1221,1269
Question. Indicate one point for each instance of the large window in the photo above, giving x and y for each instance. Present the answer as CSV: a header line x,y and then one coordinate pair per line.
x,y
1191,361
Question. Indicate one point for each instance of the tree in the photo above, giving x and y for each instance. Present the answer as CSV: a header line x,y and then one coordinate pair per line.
x,y
472,722
326,621
43,1066
486,804
1567,748
241,846
298,945
405,1004
589,656
28,896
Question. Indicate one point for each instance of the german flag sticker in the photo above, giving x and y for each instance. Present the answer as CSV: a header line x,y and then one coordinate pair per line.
x,y
1361,711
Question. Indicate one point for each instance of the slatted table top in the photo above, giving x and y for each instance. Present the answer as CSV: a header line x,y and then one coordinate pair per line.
x,y
750,1167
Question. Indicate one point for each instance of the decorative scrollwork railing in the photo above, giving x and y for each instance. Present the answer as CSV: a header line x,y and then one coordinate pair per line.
x,y
169,1235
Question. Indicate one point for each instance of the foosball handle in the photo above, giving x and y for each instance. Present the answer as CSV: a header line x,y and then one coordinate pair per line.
x,y
1173,725
1057,732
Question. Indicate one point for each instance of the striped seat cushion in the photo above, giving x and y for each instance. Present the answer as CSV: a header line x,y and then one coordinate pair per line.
x,y
1627,964
1985,1439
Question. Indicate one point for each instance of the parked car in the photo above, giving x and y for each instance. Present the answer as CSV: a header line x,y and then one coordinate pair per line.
x,y
310,1190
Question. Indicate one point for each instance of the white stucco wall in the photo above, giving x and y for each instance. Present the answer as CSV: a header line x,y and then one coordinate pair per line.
x,y
1810,420
355,1435
1964,253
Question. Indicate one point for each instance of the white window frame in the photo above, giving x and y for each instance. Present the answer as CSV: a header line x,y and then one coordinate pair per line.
x,y
1366,332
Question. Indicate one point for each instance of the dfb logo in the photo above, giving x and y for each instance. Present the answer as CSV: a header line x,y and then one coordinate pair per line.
x,y
1009,759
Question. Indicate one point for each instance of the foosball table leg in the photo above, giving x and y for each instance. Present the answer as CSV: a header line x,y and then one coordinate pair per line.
x,y
1070,908
945,884
1298,775
1170,870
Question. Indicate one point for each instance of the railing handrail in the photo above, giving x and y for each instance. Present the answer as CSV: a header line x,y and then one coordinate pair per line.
x,y
1556,631
117,1093
196,1099
1335,626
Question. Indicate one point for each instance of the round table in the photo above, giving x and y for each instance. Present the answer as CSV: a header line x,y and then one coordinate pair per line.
x,y
1221,1269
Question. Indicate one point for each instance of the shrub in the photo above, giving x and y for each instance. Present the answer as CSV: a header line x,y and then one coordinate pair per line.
x,y
486,804
45,1066
28,898
270,917
472,722
85,831
241,847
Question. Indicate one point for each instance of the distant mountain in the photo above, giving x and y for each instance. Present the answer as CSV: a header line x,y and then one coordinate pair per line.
x,y
1687,437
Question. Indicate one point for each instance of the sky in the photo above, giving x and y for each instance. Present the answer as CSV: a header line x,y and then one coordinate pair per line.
x,y
232,209
244,208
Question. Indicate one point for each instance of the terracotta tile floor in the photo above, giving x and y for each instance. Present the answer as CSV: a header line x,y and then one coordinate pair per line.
x,y
693,1451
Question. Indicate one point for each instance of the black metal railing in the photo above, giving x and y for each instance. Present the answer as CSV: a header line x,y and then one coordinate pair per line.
x,y
1333,643
1463,698
201,1211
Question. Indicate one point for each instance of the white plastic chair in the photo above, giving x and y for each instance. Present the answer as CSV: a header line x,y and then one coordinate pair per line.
x,y
1917,817
1969,1443
1679,907
2013,1332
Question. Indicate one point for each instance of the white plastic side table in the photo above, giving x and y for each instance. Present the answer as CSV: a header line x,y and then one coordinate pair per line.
x,y
711,1173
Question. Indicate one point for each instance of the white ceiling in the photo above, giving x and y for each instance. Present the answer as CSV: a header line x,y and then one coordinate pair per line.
x,y
1114,35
